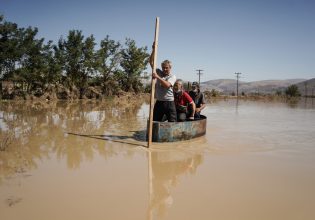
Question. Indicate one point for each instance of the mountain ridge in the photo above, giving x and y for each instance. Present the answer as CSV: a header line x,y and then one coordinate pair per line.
x,y
228,86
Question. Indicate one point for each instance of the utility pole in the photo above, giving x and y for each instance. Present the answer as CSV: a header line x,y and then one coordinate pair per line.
x,y
199,73
237,78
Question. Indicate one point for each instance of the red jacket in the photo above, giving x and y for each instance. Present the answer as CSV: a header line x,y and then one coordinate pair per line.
x,y
182,100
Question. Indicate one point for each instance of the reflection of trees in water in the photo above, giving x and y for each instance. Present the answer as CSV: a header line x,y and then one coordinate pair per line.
x,y
93,119
166,168
22,152
293,102
41,128
306,103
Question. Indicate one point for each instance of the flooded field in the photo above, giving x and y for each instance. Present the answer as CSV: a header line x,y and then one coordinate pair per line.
x,y
87,160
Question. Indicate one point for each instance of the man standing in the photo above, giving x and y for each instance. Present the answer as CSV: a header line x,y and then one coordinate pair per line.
x,y
164,91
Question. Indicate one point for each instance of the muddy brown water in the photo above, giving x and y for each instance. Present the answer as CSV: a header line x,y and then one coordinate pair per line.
x,y
86,160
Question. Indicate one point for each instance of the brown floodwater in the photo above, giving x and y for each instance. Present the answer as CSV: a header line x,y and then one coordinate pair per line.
x,y
87,160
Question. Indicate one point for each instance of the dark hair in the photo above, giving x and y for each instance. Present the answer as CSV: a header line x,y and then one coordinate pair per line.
x,y
196,84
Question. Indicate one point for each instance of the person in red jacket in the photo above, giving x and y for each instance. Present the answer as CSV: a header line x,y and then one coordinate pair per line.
x,y
185,106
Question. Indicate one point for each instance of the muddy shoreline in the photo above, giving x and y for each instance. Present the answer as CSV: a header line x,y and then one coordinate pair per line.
x,y
63,93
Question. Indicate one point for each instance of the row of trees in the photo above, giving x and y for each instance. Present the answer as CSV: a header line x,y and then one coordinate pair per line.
x,y
73,62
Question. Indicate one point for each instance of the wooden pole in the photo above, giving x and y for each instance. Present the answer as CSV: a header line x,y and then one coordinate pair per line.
x,y
156,38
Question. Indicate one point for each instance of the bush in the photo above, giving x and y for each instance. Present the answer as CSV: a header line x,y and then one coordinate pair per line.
x,y
292,91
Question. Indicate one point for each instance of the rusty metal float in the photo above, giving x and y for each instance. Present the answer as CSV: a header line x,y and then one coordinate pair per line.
x,y
179,131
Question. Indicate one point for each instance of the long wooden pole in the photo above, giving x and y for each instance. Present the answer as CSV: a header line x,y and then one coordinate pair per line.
x,y
156,38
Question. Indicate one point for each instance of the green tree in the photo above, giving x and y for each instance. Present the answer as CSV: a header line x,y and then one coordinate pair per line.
x,y
108,60
78,57
34,65
10,49
278,92
214,93
30,62
58,62
134,62
23,57
292,91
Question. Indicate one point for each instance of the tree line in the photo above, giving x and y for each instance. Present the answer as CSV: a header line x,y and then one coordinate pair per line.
x,y
73,62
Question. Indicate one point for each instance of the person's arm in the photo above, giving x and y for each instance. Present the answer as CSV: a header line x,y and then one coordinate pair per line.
x,y
191,103
193,106
202,105
164,83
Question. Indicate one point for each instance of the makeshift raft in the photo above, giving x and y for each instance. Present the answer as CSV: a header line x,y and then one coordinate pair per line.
x,y
179,131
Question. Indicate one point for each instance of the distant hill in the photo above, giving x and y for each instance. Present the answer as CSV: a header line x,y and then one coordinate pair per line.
x,y
307,86
227,86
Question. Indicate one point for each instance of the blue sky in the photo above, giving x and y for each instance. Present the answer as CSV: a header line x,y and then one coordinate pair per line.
x,y
261,39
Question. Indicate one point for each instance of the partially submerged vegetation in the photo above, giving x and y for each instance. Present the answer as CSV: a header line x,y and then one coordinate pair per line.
x,y
290,93
73,68
76,67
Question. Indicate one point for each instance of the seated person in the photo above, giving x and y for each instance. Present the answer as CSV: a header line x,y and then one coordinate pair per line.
x,y
198,98
182,102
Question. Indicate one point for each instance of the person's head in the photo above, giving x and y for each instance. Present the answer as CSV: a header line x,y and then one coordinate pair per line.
x,y
178,86
166,66
195,86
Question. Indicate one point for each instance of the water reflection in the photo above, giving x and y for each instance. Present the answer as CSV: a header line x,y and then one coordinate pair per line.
x,y
293,103
77,132
236,106
34,130
165,170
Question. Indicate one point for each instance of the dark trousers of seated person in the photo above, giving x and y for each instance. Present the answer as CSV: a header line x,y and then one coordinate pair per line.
x,y
197,115
164,108
184,115
181,116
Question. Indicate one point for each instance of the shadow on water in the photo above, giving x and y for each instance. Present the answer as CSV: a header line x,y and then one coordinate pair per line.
x,y
140,135
113,138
